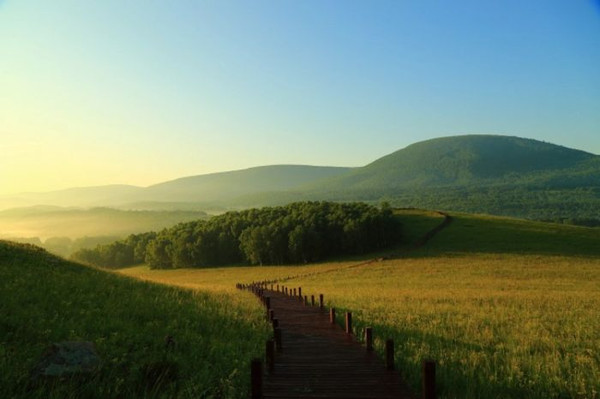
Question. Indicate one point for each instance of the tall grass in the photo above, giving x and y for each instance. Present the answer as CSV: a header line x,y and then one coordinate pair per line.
x,y
499,326
508,308
44,299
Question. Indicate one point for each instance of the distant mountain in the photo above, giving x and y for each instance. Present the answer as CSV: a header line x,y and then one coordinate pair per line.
x,y
468,161
474,173
228,185
79,196
497,175
209,190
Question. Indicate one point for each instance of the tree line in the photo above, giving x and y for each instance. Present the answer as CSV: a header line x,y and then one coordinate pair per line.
x,y
300,232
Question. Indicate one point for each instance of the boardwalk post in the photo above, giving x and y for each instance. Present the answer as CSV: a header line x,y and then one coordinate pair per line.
x,y
300,292
369,338
294,292
389,354
277,287
428,379
312,300
344,365
348,323
270,355
321,301
277,334
256,376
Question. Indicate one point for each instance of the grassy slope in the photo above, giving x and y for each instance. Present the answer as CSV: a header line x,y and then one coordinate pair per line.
x,y
508,308
466,160
45,299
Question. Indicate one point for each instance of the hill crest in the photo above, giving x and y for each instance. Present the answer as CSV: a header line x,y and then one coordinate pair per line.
x,y
463,160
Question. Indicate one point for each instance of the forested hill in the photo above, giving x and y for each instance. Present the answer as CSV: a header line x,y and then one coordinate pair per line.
x,y
300,232
489,174
227,185
495,175
472,160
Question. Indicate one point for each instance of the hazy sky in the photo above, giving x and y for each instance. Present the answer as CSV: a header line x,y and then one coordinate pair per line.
x,y
138,92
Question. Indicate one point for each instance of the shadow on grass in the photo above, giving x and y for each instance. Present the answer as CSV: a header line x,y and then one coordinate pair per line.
x,y
472,234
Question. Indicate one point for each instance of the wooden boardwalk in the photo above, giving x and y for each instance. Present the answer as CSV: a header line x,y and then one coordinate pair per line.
x,y
318,359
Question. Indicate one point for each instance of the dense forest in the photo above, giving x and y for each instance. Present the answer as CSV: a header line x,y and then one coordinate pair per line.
x,y
296,233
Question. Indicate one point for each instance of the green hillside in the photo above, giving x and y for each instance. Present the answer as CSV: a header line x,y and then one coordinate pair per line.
x,y
227,185
45,300
508,308
490,174
471,160
481,174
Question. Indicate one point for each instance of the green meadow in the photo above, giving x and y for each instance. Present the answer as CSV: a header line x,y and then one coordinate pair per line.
x,y
45,299
508,308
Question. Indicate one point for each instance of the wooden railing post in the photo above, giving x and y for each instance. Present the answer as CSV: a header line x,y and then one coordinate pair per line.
x,y
270,314
321,301
270,355
256,376
312,300
277,334
268,302
389,354
300,292
348,323
369,338
429,379
332,315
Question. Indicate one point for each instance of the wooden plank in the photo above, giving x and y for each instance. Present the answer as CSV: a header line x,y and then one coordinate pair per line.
x,y
321,360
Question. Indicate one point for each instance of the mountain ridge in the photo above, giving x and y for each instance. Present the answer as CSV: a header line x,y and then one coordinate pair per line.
x,y
440,173
459,160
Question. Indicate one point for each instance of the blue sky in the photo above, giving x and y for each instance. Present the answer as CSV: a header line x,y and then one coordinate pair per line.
x,y
138,92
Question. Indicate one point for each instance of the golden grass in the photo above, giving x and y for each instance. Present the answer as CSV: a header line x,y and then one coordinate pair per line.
x,y
492,300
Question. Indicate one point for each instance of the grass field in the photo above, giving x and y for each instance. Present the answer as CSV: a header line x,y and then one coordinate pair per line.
x,y
44,299
508,308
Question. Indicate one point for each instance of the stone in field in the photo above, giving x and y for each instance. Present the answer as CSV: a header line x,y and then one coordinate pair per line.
x,y
69,358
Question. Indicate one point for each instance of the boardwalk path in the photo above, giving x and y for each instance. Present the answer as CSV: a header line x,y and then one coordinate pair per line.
x,y
320,360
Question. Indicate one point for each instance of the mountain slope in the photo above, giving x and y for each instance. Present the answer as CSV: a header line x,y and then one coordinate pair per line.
x,y
227,185
207,188
467,160
476,173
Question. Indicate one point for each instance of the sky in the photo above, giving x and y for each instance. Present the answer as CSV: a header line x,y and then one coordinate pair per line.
x,y
139,92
